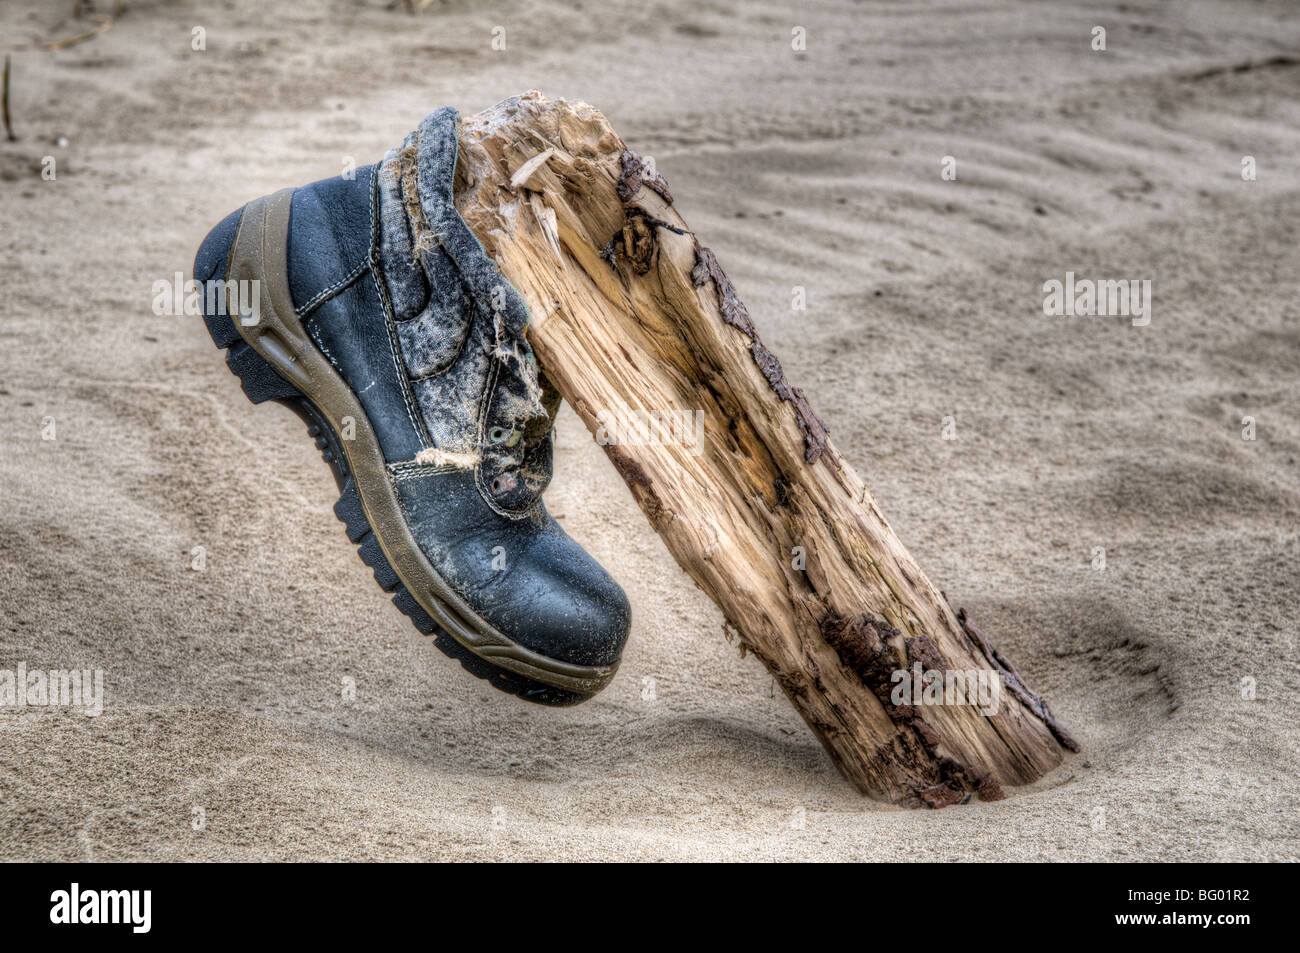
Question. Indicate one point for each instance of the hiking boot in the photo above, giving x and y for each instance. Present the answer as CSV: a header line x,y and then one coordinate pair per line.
x,y
378,318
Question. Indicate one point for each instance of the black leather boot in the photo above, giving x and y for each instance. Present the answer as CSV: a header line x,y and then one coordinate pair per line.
x,y
379,319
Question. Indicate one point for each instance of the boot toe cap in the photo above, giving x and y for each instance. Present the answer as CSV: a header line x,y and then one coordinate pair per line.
x,y
568,609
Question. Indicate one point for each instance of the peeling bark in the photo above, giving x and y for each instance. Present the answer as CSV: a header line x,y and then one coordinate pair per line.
x,y
735,313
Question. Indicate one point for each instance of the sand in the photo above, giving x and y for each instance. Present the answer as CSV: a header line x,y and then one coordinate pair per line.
x,y
225,732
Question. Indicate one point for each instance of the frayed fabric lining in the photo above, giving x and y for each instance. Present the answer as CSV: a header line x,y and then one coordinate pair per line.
x,y
425,238
436,457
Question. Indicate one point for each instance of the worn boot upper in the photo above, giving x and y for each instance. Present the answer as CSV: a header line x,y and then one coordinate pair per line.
x,y
398,293
460,325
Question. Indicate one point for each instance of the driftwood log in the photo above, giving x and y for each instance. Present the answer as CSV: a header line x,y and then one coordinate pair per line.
x,y
630,312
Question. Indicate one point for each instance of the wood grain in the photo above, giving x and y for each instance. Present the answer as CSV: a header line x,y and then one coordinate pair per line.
x,y
631,313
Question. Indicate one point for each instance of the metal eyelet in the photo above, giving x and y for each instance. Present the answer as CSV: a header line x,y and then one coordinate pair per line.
x,y
509,436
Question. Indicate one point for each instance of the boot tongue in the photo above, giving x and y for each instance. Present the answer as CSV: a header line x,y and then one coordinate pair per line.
x,y
485,399
438,144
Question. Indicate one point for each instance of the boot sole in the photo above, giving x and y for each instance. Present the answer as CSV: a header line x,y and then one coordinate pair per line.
x,y
276,359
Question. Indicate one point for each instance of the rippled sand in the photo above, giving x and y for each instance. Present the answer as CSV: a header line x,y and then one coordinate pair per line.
x,y
818,169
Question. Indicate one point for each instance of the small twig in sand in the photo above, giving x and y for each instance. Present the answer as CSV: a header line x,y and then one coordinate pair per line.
x,y
104,24
4,102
